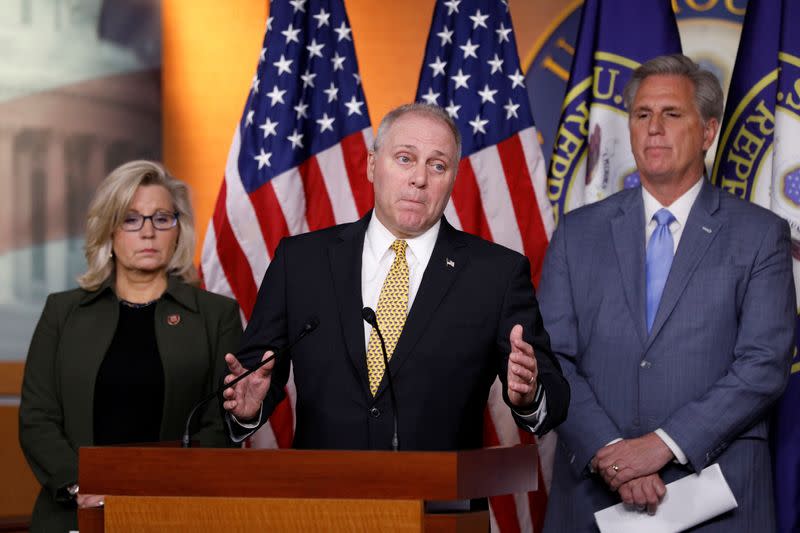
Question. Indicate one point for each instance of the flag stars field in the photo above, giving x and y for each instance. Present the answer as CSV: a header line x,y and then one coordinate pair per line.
x,y
276,95
470,49
283,65
343,32
431,97
438,66
325,123
479,19
502,33
269,127
263,159
353,106
452,6
496,63
446,36
460,79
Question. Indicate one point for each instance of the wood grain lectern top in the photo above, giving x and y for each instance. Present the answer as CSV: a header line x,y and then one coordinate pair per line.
x,y
202,489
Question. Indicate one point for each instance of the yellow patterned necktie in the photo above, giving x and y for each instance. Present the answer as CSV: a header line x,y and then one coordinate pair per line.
x,y
391,314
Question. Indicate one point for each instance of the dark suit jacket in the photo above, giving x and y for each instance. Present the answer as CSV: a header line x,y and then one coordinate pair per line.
x,y
68,346
454,343
716,359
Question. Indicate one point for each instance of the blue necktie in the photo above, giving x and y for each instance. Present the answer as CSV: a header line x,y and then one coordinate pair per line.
x,y
659,260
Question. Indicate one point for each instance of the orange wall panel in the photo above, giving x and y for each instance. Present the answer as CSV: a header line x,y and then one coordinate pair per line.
x,y
210,51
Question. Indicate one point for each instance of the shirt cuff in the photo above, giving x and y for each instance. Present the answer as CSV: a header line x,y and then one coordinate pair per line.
x,y
680,457
249,425
535,419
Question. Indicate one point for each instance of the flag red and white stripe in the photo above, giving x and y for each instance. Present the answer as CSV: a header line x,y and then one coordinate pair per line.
x,y
297,161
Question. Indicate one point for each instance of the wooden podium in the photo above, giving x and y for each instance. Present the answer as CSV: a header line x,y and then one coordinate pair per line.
x,y
177,490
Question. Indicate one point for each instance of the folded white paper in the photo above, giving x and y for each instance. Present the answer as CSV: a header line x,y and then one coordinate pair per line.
x,y
688,502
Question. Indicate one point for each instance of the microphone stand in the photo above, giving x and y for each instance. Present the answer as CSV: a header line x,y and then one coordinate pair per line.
x,y
310,326
369,316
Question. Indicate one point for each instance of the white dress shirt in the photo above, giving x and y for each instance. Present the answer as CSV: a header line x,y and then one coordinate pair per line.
x,y
680,209
377,258
376,261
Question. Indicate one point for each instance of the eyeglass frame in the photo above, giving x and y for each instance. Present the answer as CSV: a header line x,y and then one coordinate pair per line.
x,y
176,214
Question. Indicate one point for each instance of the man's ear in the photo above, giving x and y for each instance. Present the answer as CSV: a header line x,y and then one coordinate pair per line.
x,y
371,166
709,132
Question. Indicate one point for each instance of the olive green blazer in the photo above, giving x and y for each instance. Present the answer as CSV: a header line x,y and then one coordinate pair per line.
x,y
194,330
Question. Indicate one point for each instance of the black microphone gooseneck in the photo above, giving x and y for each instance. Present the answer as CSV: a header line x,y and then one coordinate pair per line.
x,y
309,326
369,317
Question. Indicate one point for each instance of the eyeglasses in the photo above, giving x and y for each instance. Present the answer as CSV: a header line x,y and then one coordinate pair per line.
x,y
161,221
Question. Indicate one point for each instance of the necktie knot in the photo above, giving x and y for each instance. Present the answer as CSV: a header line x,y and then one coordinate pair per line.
x,y
399,247
663,217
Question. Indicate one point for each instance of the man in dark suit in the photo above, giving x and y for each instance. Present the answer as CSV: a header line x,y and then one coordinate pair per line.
x,y
456,312
671,309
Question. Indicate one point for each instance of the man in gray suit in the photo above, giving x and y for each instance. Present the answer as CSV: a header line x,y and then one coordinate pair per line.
x,y
670,307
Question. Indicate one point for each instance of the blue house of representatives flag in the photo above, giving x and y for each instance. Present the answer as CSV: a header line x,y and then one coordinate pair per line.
x,y
759,160
591,156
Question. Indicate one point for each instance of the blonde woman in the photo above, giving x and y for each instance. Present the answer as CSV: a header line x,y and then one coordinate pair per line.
x,y
123,358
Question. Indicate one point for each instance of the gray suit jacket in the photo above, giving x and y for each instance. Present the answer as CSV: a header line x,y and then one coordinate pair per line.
x,y
716,359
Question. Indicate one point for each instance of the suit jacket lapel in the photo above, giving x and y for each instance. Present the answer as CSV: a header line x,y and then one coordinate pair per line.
x,y
345,258
177,324
700,231
447,260
627,229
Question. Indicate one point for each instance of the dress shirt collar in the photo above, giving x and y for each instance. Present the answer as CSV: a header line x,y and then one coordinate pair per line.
x,y
680,208
379,239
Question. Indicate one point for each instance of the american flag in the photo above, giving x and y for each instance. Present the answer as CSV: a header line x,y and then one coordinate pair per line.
x,y
471,69
297,161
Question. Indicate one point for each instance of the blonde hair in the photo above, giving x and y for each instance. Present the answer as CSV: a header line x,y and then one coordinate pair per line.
x,y
108,209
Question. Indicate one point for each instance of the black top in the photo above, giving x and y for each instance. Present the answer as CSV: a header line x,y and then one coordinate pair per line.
x,y
129,390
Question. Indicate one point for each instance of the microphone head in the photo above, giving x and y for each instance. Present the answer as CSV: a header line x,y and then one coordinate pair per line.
x,y
369,316
311,325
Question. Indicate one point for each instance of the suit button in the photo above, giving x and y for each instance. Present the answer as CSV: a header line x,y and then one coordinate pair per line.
x,y
375,412
645,364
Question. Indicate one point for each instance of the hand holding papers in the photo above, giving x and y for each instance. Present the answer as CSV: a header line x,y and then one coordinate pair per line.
x,y
688,502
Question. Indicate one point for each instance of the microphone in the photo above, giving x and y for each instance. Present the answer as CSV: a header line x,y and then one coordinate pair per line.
x,y
308,327
369,317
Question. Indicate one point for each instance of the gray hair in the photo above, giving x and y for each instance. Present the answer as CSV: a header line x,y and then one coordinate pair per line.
x,y
108,208
432,111
708,97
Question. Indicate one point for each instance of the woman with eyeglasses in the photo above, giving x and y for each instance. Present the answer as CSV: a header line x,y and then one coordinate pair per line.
x,y
124,358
